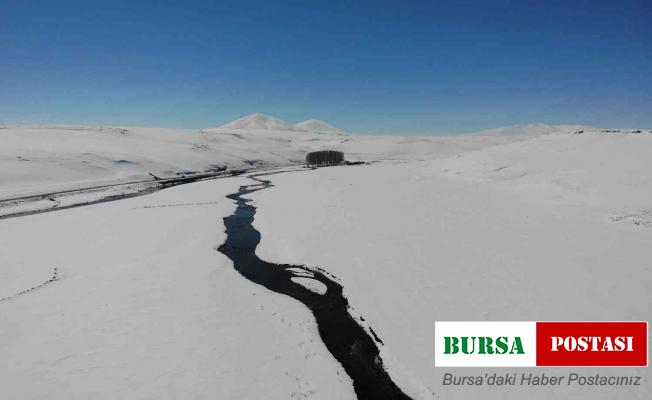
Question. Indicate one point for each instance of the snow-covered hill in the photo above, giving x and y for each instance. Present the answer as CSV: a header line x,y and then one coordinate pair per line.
x,y
319,126
37,159
264,122
531,130
259,121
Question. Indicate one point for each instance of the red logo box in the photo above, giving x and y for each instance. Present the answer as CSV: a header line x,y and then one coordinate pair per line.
x,y
592,344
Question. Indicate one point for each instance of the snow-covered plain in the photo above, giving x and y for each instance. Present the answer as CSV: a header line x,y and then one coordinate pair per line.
x,y
530,222
554,228
144,307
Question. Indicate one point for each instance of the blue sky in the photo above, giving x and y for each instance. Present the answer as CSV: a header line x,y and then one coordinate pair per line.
x,y
367,66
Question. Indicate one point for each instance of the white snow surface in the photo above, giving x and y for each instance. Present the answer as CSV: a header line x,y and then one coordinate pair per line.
x,y
315,125
144,307
532,130
38,159
310,284
531,222
259,121
554,228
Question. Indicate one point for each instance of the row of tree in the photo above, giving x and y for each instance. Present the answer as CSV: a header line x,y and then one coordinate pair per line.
x,y
325,157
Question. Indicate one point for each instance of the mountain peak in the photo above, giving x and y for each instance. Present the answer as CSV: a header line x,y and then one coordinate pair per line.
x,y
259,121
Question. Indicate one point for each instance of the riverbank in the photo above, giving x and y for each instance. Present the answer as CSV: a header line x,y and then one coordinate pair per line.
x,y
554,228
144,307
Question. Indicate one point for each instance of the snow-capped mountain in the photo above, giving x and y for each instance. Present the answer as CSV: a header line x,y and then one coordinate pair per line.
x,y
259,121
315,125
264,122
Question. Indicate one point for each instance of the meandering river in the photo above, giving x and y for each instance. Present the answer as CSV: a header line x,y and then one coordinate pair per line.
x,y
355,348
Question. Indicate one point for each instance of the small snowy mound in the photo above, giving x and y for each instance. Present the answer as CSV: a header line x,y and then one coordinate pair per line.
x,y
259,121
530,130
315,125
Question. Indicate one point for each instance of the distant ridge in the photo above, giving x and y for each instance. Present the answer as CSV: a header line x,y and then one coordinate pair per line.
x,y
260,121
529,130
315,125
264,122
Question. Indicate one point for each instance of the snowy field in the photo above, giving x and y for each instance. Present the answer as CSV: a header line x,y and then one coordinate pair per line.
x,y
144,307
533,222
555,228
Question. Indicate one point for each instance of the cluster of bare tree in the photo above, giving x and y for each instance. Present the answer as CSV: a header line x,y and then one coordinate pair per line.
x,y
325,157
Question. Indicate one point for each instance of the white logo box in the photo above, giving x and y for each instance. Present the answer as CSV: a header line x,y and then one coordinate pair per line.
x,y
527,331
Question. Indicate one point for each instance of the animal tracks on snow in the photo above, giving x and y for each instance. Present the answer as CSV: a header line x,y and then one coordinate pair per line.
x,y
55,277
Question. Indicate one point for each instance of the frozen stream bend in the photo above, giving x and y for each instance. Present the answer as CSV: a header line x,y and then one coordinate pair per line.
x,y
349,343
